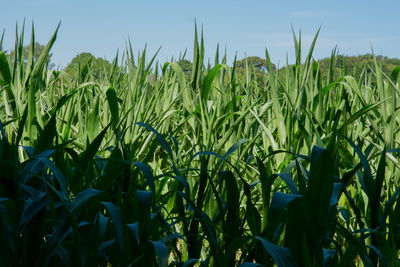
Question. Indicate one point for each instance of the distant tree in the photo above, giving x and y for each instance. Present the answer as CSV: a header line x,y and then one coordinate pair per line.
x,y
86,65
257,68
258,63
37,51
353,65
186,65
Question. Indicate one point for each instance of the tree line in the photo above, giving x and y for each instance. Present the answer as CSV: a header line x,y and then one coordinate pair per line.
x,y
257,67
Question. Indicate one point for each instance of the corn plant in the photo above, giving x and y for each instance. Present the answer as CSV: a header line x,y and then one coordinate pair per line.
x,y
147,165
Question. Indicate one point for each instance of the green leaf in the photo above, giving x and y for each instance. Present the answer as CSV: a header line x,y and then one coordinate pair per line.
x,y
320,186
80,201
276,213
368,179
235,147
47,136
32,206
42,60
282,256
375,202
358,114
148,175
57,174
113,104
395,73
162,252
232,190
86,156
5,74
93,120
275,102
186,94
208,80
288,179
21,124
161,141
117,221
134,227
34,165
34,83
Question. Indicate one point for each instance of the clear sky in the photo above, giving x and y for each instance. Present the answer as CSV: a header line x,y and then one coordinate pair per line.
x,y
245,27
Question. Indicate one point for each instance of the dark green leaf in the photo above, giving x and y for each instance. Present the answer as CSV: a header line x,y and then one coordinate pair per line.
x,y
117,221
281,256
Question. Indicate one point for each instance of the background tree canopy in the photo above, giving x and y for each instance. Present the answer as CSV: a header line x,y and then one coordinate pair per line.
x,y
186,65
38,49
353,65
343,65
257,68
258,63
85,64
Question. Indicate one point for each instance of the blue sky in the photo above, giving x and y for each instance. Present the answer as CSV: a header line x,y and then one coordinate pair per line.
x,y
245,27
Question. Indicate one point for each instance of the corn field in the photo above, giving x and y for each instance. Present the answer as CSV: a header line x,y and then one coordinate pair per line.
x,y
149,166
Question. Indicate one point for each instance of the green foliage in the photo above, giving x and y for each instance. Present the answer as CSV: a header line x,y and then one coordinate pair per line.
x,y
258,63
354,65
186,65
139,168
256,67
37,51
85,66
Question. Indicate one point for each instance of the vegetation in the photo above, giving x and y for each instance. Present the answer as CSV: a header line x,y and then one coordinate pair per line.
x,y
341,66
354,65
258,68
86,64
26,50
145,166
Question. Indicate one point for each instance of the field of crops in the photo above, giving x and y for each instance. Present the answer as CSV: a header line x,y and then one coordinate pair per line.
x,y
149,165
